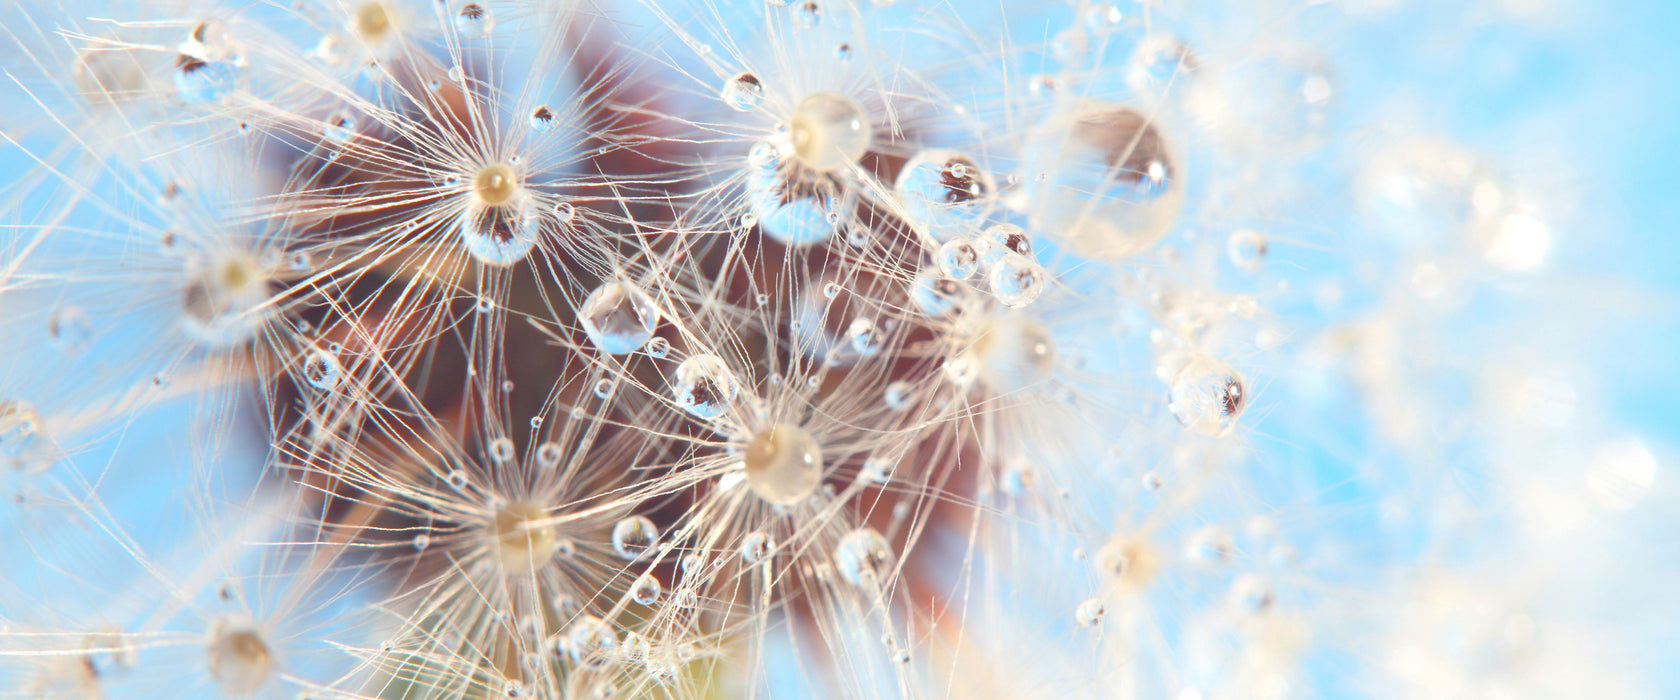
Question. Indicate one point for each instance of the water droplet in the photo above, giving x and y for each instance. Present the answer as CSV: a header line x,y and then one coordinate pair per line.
x,y
322,370
755,547
1246,249
790,206
1089,613
240,659
340,127
1108,181
457,74
1207,396
618,318
897,395
958,259
863,557
542,119
704,386
1209,545
646,590
548,455
1251,594
866,338
634,537
474,20
843,53
944,193
590,642
783,464
203,82
1159,64
829,131
70,328
808,14
933,294
1017,281
604,388
877,470
831,289
499,225
743,93
422,541
1003,239
457,479
501,450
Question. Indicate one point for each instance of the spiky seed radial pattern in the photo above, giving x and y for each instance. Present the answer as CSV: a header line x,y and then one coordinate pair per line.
x,y
429,349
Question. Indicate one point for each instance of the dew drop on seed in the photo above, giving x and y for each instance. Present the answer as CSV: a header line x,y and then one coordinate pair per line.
x,y
763,156
1017,280
1251,594
933,294
784,464
240,660
457,74
70,328
548,455
340,127
865,336
203,82
831,289
484,305
1209,545
829,131
1108,181
958,259
944,193
1003,239
604,388
590,642
704,386
863,557
755,547
1089,613
646,590
843,53
634,537
542,119
808,14
501,450
897,395
457,479
422,541
618,318
877,470
658,348
1246,249
322,370
1207,397
474,20
1160,65
564,212
743,92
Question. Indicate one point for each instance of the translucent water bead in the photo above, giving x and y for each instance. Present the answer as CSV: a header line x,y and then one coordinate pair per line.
x,y
474,20
1017,280
591,643
226,301
519,543
1103,177
1013,352
784,464
743,93
202,82
863,557
944,193
791,206
618,318
240,659
1207,396
634,537
828,131
704,386
499,224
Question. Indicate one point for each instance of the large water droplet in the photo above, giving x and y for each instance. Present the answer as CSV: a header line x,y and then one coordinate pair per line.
x,y
618,317
743,93
203,82
829,131
590,642
634,537
322,370
704,386
863,557
1108,181
1207,396
791,207
1017,280
944,193
784,464
474,20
